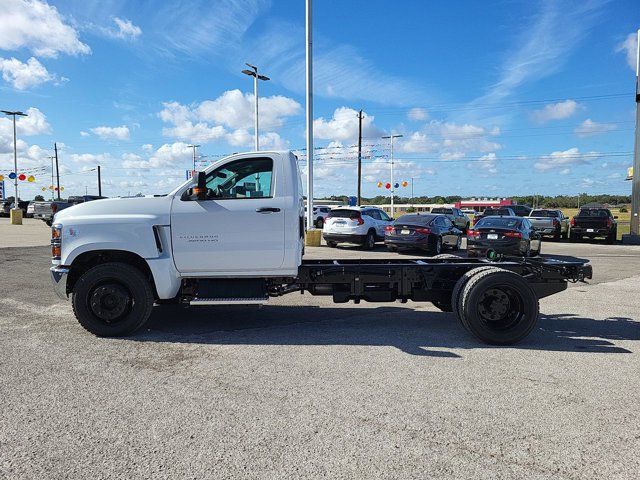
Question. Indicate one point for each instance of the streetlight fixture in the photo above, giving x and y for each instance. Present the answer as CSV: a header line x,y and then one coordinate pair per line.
x,y
391,137
16,218
254,73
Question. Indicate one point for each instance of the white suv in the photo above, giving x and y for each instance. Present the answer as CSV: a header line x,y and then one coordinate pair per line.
x,y
361,225
320,213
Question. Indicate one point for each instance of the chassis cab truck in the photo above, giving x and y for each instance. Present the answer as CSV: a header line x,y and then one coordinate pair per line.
x,y
235,235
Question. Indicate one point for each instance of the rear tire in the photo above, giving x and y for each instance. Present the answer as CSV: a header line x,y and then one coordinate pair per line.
x,y
459,287
499,307
612,237
437,248
320,223
112,300
392,248
369,240
331,244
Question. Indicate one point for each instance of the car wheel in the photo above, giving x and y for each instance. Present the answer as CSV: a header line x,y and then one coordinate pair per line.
x,y
612,237
557,234
370,240
391,248
437,249
573,237
331,244
112,299
320,223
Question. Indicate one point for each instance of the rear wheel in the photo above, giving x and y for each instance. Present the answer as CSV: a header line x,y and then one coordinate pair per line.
x,y
612,237
112,299
370,240
391,248
331,244
437,248
459,287
498,307
320,222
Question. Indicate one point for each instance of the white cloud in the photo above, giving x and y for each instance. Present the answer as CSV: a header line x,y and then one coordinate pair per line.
x,y
147,147
38,27
487,164
25,75
234,110
168,155
544,45
126,30
343,126
565,158
589,128
35,123
90,158
229,117
555,111
84,134
417,114
112,133
630,48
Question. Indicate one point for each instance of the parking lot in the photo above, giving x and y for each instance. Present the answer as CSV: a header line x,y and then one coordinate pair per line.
x,y
303,387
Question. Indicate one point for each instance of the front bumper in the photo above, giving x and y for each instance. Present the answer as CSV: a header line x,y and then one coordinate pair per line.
x,y
59,280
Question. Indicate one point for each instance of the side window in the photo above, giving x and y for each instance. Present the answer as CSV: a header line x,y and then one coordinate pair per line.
x,y
384,216
374,214
448,223
246,178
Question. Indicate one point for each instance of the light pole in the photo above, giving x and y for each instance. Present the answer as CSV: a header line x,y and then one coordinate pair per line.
x,y
194,156
52,158
391,137
635,185
309,105
15,161
254,73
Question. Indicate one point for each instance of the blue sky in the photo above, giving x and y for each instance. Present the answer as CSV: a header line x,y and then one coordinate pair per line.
x,y
493,98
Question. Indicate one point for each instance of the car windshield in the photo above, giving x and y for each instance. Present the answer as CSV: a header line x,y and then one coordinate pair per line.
x,y
415,219
593,212
498,222
344,213
544,213
441,210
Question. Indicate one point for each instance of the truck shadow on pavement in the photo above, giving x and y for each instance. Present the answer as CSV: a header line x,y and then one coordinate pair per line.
x,y
416,332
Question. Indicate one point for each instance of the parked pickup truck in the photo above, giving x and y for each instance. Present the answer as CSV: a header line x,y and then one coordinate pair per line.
x,y
45,211
592,222
550,223
234,234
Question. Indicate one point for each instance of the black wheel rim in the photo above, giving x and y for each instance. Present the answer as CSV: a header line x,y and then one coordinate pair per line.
x,y
110,302
500,308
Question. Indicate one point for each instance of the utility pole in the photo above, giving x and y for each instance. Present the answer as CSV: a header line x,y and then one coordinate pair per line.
x,y
254,73
99,183
52,157
16,218
359,155
412,191
309,79
55,149
194,155
635,186
393,189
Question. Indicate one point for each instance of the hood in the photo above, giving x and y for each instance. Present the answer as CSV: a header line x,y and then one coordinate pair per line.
x,y
154,209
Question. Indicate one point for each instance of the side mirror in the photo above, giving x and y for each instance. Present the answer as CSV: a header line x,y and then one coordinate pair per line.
x,y
200,191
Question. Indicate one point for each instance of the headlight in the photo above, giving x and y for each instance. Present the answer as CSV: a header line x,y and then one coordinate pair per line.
x,y
56,242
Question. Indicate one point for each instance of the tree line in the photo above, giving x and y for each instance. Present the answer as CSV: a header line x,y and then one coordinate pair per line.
x,y
557,201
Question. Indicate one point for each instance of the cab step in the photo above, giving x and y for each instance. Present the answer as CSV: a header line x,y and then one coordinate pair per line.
x,y
230,301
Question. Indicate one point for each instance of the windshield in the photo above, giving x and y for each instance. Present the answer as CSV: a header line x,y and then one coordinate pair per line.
x,y
415,219
498,222
445,211
593,212
344,213
544,213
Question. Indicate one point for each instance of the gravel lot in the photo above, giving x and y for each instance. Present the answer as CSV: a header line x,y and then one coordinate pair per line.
x,y
305,388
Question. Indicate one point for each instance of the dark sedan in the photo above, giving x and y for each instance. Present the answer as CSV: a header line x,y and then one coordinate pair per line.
x,y
433,233
503,235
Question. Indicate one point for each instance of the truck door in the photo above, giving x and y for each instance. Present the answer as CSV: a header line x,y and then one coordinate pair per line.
x,y
239,227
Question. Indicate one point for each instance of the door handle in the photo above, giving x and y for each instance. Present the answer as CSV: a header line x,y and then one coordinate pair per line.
x,y
267,210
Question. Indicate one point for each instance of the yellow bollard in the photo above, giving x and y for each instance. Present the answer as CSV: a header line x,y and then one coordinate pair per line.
x,y
16,216
312,238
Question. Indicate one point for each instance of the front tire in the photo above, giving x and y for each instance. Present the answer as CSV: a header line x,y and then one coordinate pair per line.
x,y
112,300
437,248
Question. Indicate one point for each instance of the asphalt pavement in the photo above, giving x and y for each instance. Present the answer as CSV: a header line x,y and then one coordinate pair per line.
x,y
303,388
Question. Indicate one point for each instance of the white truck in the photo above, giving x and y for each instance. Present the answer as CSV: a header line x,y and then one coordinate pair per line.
x,y
234,234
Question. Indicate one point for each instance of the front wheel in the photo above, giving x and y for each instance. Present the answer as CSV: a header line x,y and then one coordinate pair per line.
x,y
437,249
112,300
